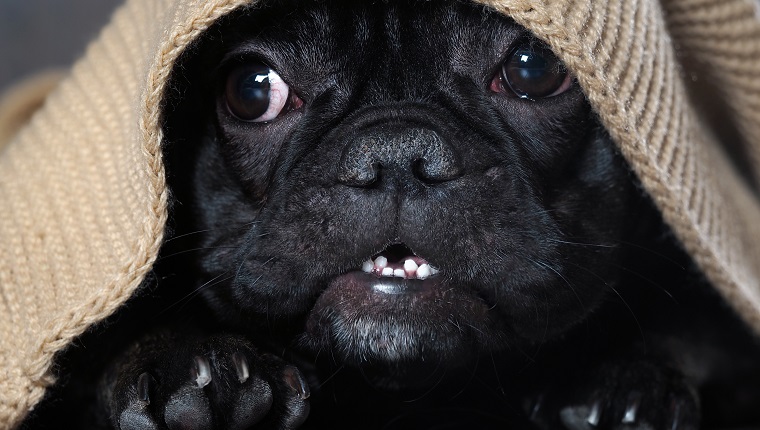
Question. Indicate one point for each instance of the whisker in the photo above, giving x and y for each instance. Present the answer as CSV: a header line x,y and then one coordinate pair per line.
x,y
193,233
654,252
455,324
473,375
432,388
566,242
648,281
333,375
546,266
543,336
620,296
496,373
472,327
240,266
531,355
191,295
633,314
185,251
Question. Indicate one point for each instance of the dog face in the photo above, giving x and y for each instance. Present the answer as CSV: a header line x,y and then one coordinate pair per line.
x,y
416,180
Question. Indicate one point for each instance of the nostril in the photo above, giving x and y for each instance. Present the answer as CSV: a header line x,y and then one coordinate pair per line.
x,y
358,172
418,168
421,171
436,171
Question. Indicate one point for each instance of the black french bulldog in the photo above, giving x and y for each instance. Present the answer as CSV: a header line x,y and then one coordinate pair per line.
x,y
404,214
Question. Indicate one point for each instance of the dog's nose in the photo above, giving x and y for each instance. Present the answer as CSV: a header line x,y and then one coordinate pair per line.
x,y
406,154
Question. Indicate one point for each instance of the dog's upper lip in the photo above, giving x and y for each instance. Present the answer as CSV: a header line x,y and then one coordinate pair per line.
x,y
399,261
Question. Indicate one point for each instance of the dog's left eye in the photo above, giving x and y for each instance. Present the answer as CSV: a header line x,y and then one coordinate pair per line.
x,y
256,93
532,71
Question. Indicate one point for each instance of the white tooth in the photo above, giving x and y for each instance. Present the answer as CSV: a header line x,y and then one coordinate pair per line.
x,y
399,273
381,262
433,270
410,267
387,271
367,266
423,272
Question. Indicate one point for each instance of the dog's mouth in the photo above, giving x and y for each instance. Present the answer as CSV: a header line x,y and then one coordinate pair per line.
x,y
398,308
399,261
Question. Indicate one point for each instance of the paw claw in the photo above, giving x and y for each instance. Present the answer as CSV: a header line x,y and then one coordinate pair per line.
x,y
582,417
675,414
201,371
296,382
144,383
533,408
631,413
595,414
241,367
575,418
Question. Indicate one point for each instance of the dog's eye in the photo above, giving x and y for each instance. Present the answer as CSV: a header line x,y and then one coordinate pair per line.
x,y
532,71
256,93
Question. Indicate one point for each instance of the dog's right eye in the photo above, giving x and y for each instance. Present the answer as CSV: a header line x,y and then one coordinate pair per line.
x,y
256,93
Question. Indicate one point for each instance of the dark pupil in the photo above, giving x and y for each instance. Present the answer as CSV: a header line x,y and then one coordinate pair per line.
x,y
533,72
247,91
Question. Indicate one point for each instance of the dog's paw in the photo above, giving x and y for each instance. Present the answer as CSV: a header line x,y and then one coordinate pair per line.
x,y
640,395
217,383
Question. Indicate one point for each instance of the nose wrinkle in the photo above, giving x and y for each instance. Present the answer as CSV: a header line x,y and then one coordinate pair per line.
x,y
416,152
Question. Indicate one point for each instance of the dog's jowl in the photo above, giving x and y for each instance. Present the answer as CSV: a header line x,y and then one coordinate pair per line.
x,y
405,214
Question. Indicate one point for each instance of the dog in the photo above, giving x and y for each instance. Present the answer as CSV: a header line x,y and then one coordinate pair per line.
x,y
402,214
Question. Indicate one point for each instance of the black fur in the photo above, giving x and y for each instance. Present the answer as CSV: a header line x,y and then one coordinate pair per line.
x,y
560,292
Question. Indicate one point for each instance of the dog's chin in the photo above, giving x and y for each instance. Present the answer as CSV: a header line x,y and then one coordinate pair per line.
x,y
365,319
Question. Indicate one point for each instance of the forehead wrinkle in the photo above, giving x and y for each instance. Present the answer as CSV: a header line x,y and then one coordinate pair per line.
x,y
392,27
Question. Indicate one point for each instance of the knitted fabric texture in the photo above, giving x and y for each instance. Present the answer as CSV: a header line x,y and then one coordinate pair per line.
x,y
84,199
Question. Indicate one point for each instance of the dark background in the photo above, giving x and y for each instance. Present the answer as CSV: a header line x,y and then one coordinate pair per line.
x,y
39,34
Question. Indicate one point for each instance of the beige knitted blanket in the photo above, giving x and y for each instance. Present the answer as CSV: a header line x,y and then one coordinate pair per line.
x,y
83,195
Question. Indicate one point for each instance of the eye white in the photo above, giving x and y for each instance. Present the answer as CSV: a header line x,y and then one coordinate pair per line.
x,y
278,96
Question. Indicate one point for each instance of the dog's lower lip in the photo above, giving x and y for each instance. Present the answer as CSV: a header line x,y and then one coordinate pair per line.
x,y
391,285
